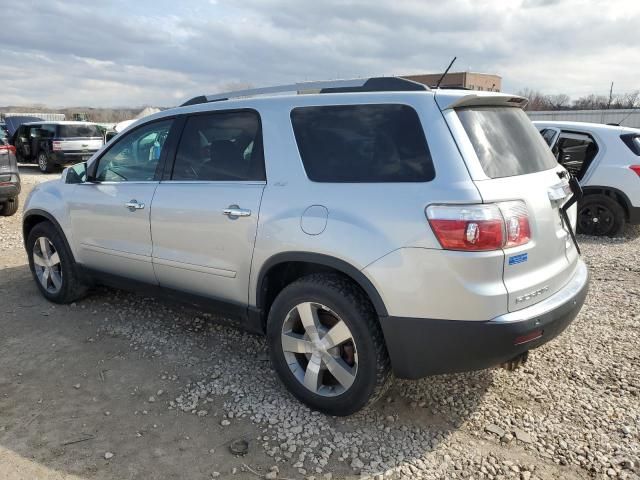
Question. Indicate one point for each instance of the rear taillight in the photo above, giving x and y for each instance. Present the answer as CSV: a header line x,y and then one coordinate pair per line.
x,y
8,148
480,227
635,168
56,146
516,221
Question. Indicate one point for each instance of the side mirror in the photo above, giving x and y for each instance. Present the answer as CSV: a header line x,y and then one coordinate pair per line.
x,y
77,173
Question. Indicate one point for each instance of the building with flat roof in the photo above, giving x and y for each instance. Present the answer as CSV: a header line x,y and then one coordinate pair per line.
x,y
471,80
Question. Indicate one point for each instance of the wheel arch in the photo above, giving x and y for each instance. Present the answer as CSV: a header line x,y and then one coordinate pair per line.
x,y
34,217
617,195
283,268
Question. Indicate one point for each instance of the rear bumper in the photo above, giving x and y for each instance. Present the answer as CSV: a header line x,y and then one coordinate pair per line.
x,y
419,347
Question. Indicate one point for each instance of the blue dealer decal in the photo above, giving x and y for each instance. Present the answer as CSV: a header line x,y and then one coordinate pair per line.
x,y
523,257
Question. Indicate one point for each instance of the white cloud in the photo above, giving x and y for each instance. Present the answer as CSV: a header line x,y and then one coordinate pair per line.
x,y
71,53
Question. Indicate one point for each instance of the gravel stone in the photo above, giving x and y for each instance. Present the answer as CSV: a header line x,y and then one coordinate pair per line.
x,y
496,430
573,408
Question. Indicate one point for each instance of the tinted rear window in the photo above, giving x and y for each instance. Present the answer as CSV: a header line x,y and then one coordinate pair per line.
x,y
67,131
362,143
506,142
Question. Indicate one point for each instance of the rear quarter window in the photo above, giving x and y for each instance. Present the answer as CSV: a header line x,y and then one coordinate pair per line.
x,y
632,140
362,144
505,141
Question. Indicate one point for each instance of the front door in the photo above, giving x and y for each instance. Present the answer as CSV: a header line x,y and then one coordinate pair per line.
x,y
204,218
110,215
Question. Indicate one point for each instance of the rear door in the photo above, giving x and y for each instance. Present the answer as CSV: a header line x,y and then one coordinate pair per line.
x,y
204,215
516,164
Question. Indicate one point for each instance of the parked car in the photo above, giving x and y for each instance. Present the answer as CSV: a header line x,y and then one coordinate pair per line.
x,y
53,144
9,179
375,226
606,161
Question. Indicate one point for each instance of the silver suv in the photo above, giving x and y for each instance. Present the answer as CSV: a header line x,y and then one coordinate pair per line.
x,y
365,226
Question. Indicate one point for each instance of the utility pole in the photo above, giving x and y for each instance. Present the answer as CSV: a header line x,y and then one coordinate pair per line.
x,y
610,96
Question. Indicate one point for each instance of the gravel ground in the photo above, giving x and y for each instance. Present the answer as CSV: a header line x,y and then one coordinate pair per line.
x,y
572,412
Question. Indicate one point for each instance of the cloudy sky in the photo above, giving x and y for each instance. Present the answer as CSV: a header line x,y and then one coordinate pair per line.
x,y
160,52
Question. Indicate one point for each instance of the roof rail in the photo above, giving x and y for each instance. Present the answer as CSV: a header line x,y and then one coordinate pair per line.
x,y
373,84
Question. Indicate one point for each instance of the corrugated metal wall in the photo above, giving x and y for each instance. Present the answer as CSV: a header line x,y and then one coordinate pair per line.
x,y
50,117
627,117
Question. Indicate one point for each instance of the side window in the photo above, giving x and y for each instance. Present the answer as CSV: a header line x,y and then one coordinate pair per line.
x,y
548,135
33,131
220,146
362,143
576,151
135,156
48,131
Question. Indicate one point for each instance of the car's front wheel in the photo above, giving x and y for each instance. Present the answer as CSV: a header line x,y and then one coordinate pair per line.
x,y
52,265
44,164
327,345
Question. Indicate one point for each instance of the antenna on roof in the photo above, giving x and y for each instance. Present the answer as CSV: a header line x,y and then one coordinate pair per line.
x,y
445,72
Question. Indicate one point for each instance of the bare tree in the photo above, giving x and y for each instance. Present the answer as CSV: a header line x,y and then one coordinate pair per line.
x,y
537,100
560,101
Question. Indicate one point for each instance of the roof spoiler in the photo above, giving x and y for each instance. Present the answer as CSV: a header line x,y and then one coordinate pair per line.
x,y
447,100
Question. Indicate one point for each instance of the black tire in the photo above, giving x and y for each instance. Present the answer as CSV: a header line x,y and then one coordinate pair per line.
x,y
44,164
600,215
350,304
10,207
71,288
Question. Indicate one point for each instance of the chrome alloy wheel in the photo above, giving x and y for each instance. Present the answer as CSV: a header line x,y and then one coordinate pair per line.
x,y
46,263
319,349
42,162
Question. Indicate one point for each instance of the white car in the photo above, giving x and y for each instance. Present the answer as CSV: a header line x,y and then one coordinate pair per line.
x,y
606,161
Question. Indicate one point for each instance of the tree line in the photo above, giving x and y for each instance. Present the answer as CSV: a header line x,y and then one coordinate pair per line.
x,y
100,115
541,101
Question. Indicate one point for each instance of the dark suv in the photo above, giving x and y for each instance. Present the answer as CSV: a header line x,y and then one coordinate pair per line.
x,y
9,179
51,144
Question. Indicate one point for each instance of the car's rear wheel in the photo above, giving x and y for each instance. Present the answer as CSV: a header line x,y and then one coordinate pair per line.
x,y
9,207
44,164
600,215
326,344
52,265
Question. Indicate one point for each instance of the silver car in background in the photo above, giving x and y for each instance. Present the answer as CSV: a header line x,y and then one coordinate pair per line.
x,y
369,227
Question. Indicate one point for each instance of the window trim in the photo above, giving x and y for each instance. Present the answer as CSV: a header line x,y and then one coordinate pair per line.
x,y
556,134
93,168
404,104
180,128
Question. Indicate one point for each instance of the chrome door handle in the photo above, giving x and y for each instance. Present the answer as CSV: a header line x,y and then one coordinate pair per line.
x,y
133,205
234,211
